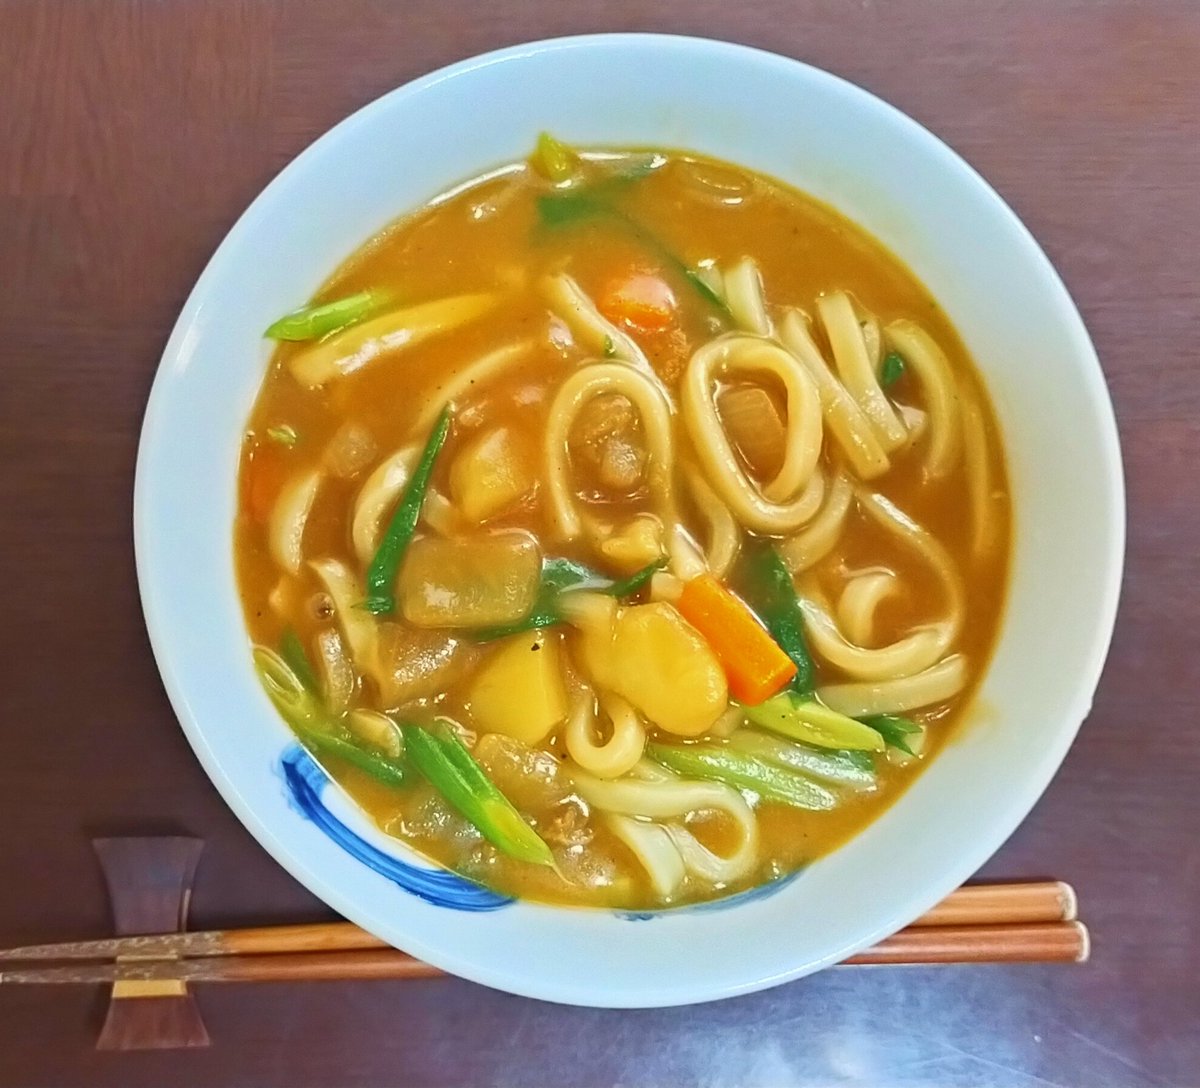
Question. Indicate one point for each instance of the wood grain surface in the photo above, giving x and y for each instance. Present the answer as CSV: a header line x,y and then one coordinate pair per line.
x,y
131,137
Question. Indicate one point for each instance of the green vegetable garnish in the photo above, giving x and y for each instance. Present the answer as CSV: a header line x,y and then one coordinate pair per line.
x,y
610,349
701,285
381,574
553,159
291,649
382,767
813,723
589,200
571,206
285,435
444,760
765,584
559,575
313,322
892,369
579,205
856,769
742,771
894,730
299,706
629,586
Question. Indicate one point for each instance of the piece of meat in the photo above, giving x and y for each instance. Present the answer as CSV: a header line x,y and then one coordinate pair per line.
x,y
607,441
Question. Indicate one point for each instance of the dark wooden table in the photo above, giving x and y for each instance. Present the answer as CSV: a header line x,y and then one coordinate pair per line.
x,y
133,134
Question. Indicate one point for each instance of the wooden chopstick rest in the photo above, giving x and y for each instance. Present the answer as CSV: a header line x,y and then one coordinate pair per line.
x,y
149,886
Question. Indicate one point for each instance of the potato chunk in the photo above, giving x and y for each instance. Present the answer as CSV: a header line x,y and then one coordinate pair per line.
x,y
519,689
490,475
470,582
635,545
658,662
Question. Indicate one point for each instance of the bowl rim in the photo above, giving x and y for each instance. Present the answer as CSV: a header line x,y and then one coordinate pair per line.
x,y
1004,821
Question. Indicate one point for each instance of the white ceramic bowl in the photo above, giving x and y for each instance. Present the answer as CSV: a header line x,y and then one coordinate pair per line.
x,y
773,115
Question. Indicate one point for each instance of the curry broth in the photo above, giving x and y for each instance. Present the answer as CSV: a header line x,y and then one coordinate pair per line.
x,y
488,236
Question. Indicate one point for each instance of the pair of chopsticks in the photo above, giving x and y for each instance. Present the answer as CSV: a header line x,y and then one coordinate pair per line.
x,y
980,923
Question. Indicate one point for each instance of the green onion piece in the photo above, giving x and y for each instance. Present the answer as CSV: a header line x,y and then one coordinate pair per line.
x,y
285,435
610,349
313,322
857,757
297,705
627,587
379,766
381,574
451,770
892,369
765,584
566,208
552,158
291,649
772,783
894,730
809,721
705,290
559,575
839,767
580,205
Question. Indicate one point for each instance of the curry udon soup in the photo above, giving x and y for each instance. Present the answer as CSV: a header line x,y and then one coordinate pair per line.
x,y
622,528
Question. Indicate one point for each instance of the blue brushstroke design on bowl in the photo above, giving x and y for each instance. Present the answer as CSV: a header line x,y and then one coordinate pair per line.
x,y
306,781
738,899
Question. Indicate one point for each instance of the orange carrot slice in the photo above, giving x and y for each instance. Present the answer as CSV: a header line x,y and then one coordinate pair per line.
x,y
755,667
640,300
262,479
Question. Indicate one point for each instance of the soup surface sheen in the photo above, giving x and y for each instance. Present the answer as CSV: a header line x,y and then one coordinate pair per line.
x,y
655,362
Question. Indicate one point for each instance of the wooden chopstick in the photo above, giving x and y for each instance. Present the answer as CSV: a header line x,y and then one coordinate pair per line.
x,y
317,937
272,967
1005,904
970,905
1047,942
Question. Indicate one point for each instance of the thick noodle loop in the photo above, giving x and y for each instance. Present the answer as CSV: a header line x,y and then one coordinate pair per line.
x,y
724,535
929,364
859,375
644,394
845,419
819,537
656,794
653,847
594,332
358,625
469,380
860,599
625,745
785,503
980,488
289,516
912,653
375,500
934,685
744,297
